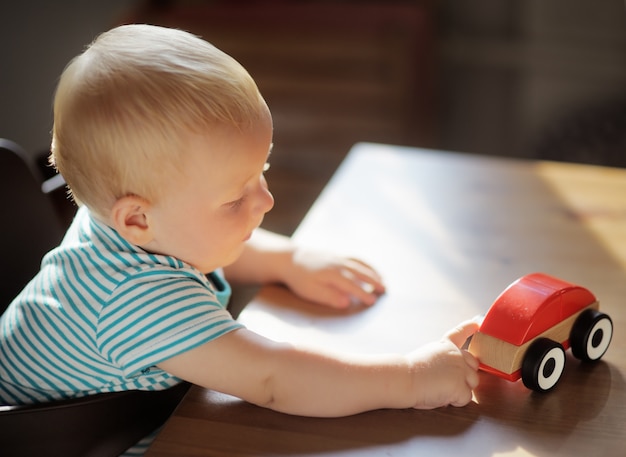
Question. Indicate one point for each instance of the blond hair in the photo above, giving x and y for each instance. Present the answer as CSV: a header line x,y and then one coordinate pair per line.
x,y
124,107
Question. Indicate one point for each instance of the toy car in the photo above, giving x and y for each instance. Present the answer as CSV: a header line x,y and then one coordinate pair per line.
x,y
530,325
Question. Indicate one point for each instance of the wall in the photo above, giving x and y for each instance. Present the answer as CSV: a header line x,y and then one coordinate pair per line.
x,y
529,77
510,72
38,38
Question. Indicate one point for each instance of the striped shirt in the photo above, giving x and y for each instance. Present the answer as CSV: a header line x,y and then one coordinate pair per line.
x,y
101,314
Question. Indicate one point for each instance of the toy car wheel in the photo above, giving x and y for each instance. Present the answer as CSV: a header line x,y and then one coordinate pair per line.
x,y
591,335
543,365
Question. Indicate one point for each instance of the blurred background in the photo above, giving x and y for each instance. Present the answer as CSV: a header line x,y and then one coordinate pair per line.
x,y
515,78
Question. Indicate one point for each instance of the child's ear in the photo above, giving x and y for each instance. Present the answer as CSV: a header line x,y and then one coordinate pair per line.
x,y
129,216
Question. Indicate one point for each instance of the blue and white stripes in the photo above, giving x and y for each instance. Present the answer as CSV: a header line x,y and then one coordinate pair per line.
x,y
100,315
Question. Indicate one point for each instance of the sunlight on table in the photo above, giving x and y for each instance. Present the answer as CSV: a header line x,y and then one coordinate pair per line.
x,y
602,209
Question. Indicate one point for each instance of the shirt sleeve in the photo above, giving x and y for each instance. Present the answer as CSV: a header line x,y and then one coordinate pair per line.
x,y
153,318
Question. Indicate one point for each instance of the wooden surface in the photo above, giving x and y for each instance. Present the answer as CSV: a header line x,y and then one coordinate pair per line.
x,y
448,232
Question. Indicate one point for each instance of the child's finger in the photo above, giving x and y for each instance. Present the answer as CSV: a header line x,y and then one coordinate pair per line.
x,y
470,360
462,398
333,298
462,332
366,275
472,379
360,291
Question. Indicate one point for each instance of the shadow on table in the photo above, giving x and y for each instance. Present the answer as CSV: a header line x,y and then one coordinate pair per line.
x,y
585,403
506,416
260,431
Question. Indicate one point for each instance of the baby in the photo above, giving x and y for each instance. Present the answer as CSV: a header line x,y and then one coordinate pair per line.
x,y
164,141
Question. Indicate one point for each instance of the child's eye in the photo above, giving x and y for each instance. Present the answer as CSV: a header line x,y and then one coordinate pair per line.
x,y
236,203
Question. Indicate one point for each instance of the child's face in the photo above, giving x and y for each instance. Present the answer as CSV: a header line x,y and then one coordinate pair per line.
x,y
208,216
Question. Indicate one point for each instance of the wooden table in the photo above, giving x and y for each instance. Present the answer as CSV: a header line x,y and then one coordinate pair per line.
x,y
448,232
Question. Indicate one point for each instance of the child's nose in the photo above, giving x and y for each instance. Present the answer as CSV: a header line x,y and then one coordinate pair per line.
x,y
268,200
266,197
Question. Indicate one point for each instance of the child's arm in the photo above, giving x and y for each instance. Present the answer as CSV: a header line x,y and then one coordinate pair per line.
x,y
313,383
329,280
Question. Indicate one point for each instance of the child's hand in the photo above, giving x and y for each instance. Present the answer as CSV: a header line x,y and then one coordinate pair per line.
x,y
446,374
333,281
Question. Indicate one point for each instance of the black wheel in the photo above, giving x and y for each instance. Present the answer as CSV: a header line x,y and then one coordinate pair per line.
x,y
591,335
543,365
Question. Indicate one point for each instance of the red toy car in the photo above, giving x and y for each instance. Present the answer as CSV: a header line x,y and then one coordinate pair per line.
x,y
530,325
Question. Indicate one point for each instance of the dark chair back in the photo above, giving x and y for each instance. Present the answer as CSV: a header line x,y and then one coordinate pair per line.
x,y
29,226
103,425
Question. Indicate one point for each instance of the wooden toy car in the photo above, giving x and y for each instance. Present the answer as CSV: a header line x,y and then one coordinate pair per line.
x,y
530,325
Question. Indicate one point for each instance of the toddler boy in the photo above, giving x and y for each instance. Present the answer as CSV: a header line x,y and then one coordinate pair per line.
x,y
164,141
